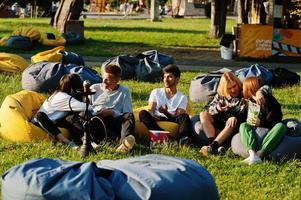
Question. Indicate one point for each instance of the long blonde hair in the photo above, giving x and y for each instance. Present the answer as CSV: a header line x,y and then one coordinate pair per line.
x,y
227,78
250,86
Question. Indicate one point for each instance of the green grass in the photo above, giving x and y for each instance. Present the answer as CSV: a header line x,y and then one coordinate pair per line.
x,y
108,37
269,180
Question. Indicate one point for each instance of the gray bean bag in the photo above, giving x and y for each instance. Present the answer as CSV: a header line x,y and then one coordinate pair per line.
x,y
152,177
288,149
204,87
42,76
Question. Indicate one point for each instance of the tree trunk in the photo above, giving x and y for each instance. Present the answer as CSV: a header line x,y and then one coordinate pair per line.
x,y
270,16
154,14
67,10
218,18
242,10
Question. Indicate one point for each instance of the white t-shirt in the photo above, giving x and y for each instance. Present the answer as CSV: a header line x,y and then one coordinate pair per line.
x,y
179,100
58,105
120,100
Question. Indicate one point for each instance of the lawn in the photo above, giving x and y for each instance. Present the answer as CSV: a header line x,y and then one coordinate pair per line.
x,y
107,37
269,180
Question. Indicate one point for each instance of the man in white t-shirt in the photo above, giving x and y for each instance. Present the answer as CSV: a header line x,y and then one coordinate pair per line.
x,y
168,104
112,103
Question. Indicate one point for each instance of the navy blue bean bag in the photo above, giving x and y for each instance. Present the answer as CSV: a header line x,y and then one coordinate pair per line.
x,y
288,149
147,177
19,42
85,73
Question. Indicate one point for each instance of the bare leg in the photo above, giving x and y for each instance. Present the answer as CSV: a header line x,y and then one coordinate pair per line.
x,y
224,134
207,123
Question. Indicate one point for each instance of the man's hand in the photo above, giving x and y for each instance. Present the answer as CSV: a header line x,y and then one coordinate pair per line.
x,y
105,113
163,109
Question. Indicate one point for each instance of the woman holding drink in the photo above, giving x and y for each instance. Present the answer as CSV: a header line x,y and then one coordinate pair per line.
x,y
266,113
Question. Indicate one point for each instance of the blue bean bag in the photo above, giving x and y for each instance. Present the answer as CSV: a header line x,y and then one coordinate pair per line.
x,y
288,149
19,42
153,177
85,73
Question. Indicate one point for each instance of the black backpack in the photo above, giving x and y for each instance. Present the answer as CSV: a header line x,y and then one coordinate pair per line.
x,y
282,76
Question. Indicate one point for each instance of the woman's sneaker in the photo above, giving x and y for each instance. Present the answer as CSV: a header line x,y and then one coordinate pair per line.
x,y
127,144
206,151
221,150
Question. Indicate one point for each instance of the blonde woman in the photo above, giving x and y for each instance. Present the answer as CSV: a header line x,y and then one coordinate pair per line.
x,y
224,112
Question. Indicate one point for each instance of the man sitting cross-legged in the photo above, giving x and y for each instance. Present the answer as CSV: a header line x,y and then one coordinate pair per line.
x,y
112,103
168,104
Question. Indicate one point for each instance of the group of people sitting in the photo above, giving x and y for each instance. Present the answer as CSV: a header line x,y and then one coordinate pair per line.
x,y
110,107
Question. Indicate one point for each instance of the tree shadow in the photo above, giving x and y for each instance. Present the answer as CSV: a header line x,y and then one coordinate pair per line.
x,y
141,29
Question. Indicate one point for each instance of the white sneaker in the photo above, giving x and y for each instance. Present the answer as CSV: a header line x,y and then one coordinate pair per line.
x,y
221,150
127,144
95,145
247,160
254,160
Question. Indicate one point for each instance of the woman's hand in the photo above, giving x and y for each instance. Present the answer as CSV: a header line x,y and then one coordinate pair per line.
x,y
221,108
231,122
259,98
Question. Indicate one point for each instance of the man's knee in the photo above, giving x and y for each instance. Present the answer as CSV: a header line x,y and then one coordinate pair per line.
x,y
184,117
143,114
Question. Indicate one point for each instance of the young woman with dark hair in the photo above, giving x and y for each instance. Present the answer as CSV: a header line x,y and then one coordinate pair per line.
x,y
55,109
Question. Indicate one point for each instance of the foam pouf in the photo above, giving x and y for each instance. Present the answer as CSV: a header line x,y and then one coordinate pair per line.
x,y
42,76
16,113
12,63
288,149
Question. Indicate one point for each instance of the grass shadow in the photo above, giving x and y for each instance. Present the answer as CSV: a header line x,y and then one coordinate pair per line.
x,y
142,29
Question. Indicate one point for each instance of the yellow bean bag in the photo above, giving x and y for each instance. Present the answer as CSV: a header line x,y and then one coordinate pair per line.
x,y
16,113
52,55
30,32
58,41
142,131
12,63
3,41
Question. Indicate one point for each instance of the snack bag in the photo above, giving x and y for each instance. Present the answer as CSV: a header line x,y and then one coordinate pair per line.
x,y
253,113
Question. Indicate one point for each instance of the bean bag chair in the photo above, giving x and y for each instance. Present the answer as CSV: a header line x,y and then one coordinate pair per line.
x,y
288,149
255,70
16,113
127,64
30,32
152,177
52,55
72,58
85,73
204,87
3,41
19,42
142,131
42,76
72,38
12,63
49,41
